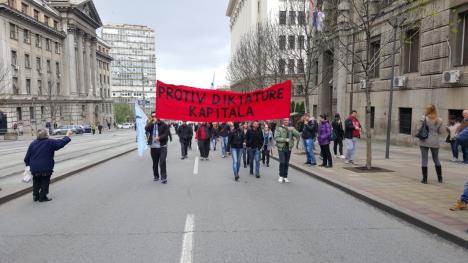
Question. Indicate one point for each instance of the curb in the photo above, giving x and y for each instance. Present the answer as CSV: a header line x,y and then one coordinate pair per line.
x,y
418,220
27,190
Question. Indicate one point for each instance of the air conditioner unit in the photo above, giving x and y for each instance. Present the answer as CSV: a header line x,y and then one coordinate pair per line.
x,y
362,84
399,81
451,76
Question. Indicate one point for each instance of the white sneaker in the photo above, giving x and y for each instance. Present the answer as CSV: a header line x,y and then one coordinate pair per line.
x,y
286,180
342,157
454,159
346,162
280,179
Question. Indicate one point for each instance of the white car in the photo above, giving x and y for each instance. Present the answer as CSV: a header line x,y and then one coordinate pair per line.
x,y
127,125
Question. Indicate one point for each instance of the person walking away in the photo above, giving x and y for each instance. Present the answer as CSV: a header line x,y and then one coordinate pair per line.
x,y
254,142
267,145
223,132
214,135
462,139
352,135
245,159
48,127
203,136
158,132
324,138
434,128
463,126
93,128
338,136
15,128
100,128
185,134
309,133
452,130
40,159
284,137
236,143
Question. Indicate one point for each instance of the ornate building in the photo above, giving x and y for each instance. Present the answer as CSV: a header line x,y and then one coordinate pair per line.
x,y
51,67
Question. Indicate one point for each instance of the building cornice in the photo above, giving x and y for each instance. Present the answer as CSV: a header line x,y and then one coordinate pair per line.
x,y
31,21
104,55
231,7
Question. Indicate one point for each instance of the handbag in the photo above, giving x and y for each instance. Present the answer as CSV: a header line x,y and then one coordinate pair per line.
x,y
423,132
447,140
27,176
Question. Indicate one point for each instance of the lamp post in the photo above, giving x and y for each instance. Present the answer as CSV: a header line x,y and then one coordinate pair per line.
x,y
142,79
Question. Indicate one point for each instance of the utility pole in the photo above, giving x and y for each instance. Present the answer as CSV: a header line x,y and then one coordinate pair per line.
x,y
390,102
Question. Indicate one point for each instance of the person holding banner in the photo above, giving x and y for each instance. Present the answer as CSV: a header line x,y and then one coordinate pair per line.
x,y
203,137
158,135
185,134
236,144
254,141
284,137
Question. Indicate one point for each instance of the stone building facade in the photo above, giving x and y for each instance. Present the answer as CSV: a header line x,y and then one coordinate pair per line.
x,y
51,64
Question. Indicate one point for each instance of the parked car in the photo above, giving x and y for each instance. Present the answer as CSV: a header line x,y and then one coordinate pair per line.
x,y
86,128
62,130
127,126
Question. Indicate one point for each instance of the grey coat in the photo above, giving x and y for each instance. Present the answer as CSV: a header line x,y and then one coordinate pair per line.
x,y
435,129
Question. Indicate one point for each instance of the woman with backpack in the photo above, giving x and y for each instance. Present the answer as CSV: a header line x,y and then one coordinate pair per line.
x,y
324,138
429,129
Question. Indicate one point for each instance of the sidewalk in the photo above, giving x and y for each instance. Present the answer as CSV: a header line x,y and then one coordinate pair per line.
x,y
400,192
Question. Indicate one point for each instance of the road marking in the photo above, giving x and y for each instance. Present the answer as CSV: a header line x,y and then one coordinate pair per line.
x,y
187,243
195,166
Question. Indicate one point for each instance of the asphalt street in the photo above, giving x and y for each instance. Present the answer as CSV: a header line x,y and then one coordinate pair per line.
x,y
114,212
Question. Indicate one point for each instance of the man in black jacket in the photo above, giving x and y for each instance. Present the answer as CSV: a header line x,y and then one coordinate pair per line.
x,y
185,134
254,142
309,130
158,134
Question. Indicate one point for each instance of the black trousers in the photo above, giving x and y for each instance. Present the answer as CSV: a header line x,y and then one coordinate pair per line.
x,y
265,156
284,157
184,144
41,183
326,154
336,144
159,156
204,147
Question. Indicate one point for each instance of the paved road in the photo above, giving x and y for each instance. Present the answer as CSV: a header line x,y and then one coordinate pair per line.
x,y
116,213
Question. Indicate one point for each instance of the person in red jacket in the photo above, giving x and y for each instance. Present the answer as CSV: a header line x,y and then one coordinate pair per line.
x,y
352,135
203,136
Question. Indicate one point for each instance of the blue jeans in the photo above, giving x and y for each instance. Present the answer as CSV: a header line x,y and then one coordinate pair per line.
x,y
464,196
236,152
454,145
351,145
224,142
309,148
465,154
254,154
213,143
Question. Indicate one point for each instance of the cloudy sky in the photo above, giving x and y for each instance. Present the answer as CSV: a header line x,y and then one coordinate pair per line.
x,y
192,36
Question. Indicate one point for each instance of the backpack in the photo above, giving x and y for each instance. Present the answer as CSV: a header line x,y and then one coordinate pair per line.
x,y
462,137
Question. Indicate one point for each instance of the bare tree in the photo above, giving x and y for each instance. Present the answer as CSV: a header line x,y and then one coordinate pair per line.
x,y
4,76
360,48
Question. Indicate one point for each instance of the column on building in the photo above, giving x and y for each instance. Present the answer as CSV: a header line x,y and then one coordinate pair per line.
x,y
342,72
69,68
81,80
94,83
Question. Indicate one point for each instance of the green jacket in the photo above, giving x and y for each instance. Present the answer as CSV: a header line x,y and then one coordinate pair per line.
x,y
281,134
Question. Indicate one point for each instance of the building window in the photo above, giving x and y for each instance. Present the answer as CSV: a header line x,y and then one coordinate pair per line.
x,y
372,117
291,42
411,51
56,24
301,18
19,114
282,18
57,48
282,42
291,66
12,3
38,65
314,110
462,39
38,41
46,20
39,87
58,88
48,47
282,66
31,113
49,67
57,69
455,114
405,120
24,8
316,72
36,15
27,61
374,59
300,42
292,17
14,58
300,66
15,86
300,90
49,87
27,36
13,31
42,111
28,86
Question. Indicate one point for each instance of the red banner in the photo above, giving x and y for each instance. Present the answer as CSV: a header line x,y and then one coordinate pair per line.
x,y
202,105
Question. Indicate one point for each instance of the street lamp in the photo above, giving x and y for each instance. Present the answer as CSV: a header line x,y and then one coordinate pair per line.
x,y
142,79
